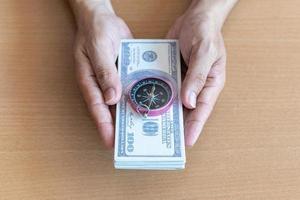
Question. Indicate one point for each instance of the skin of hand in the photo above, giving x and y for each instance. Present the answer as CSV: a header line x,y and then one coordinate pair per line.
x,y
96,49
202,47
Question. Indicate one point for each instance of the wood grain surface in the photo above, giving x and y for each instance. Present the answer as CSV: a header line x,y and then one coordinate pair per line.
x,y
49,147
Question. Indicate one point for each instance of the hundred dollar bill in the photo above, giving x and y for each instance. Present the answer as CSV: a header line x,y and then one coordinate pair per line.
x,y
141,141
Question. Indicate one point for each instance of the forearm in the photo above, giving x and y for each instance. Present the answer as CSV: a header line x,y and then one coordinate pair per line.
x,y
217,9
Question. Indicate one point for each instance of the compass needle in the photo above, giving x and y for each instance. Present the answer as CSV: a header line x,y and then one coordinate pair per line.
x,y
145,100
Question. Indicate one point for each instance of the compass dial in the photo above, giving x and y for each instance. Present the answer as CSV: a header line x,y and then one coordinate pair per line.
x,y
151,93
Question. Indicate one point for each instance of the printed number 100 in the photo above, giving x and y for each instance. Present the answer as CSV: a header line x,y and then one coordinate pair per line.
x,y
130,141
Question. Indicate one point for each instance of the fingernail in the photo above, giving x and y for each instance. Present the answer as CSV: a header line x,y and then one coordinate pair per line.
x,y
109,95
192,99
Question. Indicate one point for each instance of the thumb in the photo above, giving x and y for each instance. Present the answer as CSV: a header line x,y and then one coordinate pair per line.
x,y
201,60
103,61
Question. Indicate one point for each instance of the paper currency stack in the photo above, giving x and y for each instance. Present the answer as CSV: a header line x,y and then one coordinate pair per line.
x,y
152,142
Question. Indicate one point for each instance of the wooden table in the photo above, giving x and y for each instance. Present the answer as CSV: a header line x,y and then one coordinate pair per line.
x,y
49,148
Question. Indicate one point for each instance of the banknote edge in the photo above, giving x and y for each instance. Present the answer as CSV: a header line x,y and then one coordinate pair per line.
x,y
179,87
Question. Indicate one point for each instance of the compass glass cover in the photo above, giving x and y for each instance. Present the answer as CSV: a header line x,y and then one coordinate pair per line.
x,y
151,93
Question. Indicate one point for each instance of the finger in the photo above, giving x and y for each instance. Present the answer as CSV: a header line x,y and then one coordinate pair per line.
x,y
102,57
206,100
203,56
94,99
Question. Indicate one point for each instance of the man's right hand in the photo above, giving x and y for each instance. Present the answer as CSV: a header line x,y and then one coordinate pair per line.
x,y
96,50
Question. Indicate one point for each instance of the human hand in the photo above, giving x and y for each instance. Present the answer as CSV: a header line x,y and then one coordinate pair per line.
x,y
96,49
202,47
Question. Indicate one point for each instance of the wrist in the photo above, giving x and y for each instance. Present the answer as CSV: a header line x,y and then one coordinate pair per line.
x,y
215,11
81,7
87,12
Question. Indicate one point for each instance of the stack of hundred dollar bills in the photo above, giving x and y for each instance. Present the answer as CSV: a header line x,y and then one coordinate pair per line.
x,y
135,149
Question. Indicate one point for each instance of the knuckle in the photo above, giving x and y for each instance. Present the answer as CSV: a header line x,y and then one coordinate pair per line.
x,y
83,84
199,79
94,39
222,83
97,104
219,74
95,46
99,42
104,75
207,27
208,46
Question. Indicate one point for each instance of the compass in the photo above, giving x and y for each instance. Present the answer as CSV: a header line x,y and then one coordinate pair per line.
x,y
151,96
